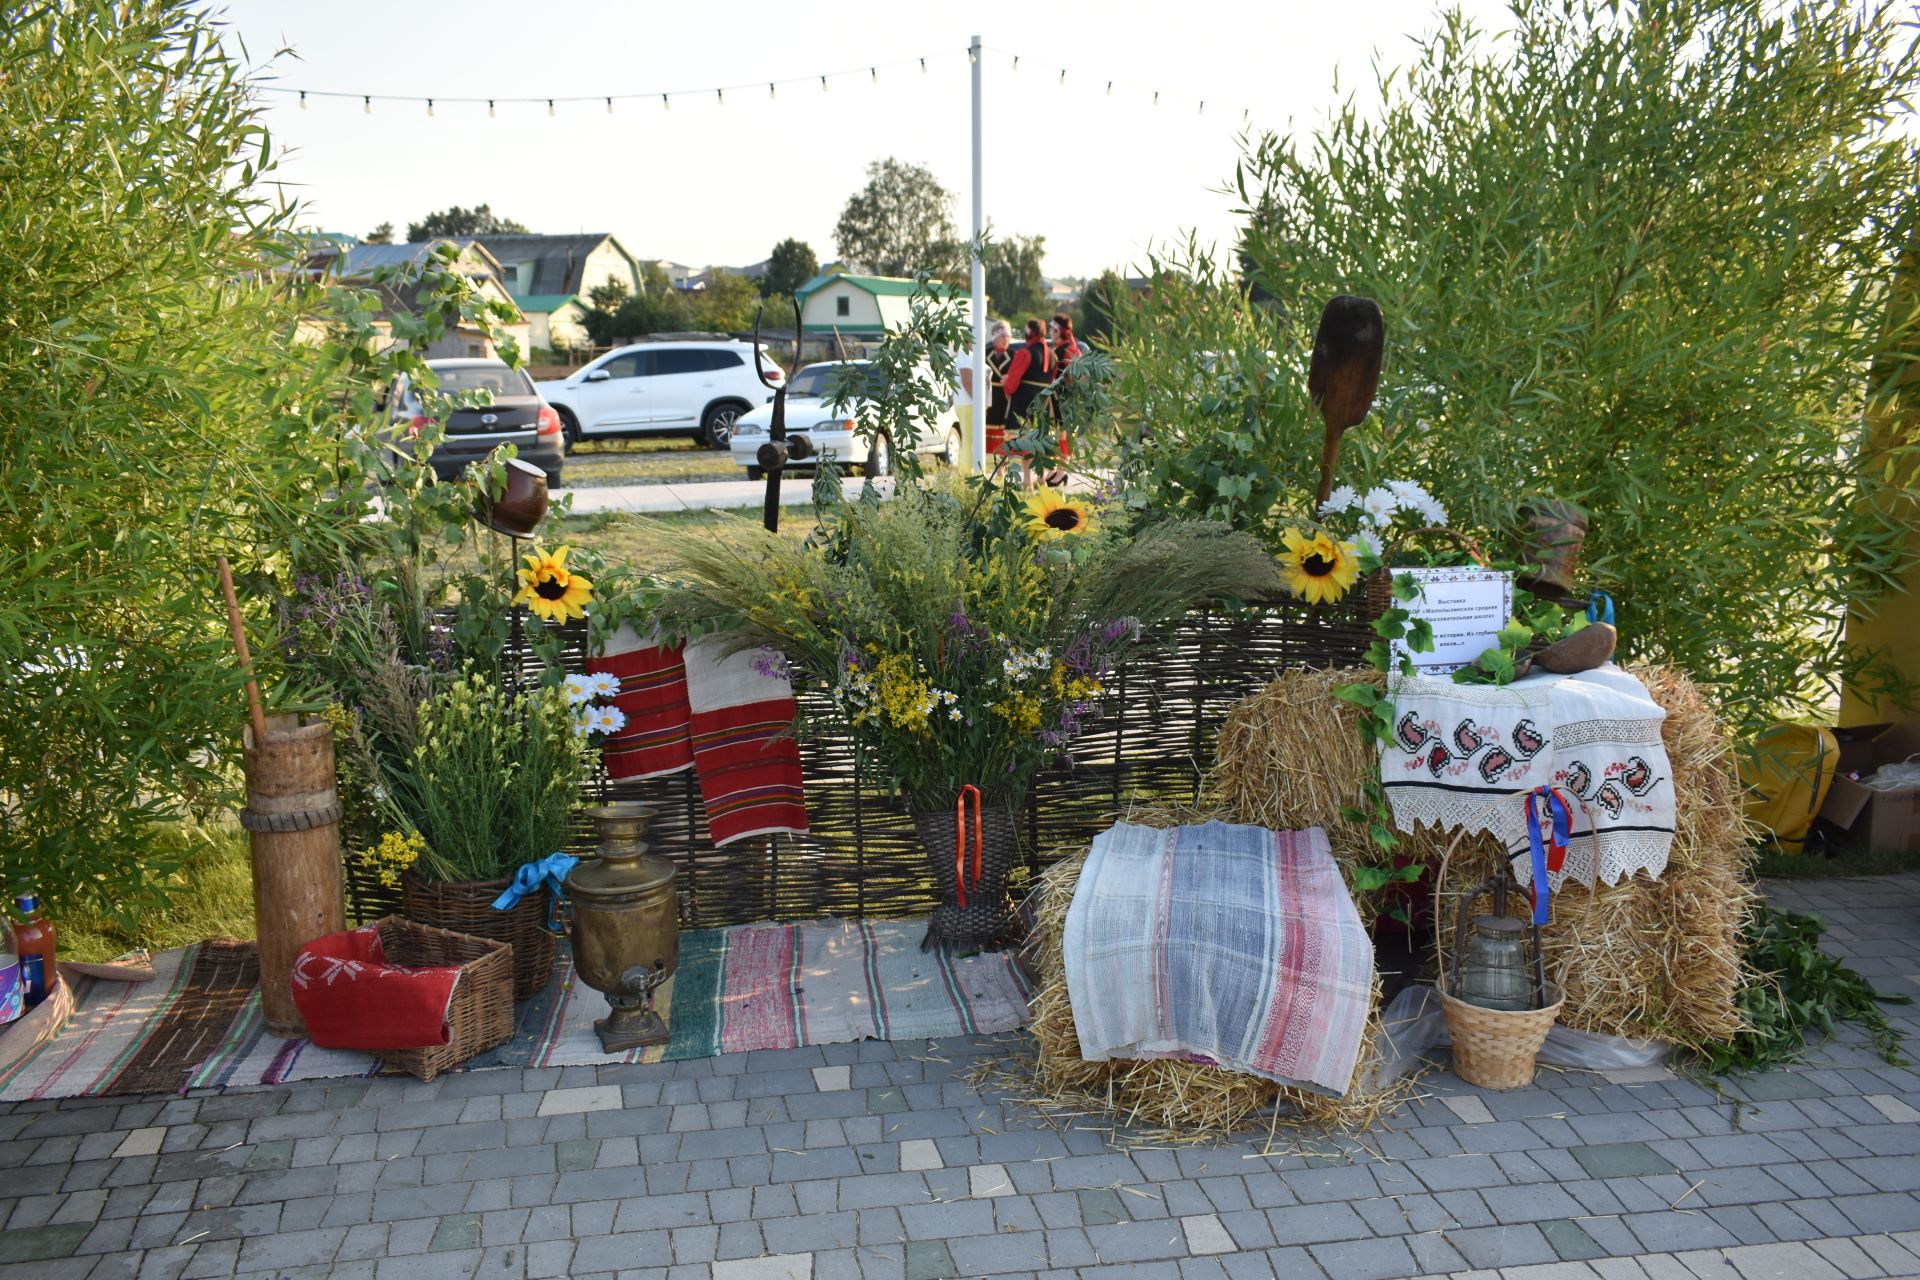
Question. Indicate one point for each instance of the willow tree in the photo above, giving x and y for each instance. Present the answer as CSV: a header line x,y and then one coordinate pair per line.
x,y
1639,257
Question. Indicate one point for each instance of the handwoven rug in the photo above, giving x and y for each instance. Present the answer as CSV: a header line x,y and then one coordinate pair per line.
x,y
761,986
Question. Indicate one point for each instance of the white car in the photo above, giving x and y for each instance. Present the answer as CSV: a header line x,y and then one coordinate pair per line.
x,y
830,428
661,388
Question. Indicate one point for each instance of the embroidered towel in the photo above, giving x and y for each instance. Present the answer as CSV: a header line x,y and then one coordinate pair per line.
x,y
729,716
351,998
1233,944
1458,748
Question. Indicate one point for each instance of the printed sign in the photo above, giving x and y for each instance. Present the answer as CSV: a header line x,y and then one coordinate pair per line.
x,y
1466,607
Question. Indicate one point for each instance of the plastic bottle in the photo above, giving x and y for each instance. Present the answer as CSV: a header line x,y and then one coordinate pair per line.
x,y
33,939
11,1004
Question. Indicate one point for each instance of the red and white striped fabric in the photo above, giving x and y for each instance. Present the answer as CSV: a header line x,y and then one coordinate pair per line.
x,y
730,716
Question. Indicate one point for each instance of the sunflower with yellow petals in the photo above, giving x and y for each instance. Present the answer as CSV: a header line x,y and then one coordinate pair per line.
x,y
1317,567
552,592
1051,515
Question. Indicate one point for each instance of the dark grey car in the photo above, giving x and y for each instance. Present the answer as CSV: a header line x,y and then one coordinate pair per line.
x,y
512,413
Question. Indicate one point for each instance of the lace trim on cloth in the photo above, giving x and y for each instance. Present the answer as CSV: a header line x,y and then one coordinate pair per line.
x,y
1457,750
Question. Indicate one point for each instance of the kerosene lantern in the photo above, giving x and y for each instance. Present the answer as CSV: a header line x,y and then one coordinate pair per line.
x,y
624,922
1491,965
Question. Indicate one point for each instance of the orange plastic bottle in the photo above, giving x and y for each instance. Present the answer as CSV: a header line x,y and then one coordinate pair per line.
x,y
33,937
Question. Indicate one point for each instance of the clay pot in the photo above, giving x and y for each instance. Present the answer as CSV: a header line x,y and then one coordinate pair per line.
x,y
518,511
1585,649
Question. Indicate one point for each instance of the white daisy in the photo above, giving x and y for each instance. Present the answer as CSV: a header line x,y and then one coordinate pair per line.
x,y
580,690
1340,500
1378,506
1366,541
609,719
604,684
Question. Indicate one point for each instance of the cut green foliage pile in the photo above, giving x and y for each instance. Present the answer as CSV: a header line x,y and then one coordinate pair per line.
x,y
1797,988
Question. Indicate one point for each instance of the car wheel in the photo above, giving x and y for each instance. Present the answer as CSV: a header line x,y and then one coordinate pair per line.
x,y
951,454
756,473
569,429
716,429
879,457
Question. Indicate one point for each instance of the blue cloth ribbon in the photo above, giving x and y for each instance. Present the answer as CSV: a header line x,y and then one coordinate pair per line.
x,y
552,869
1600,608
1560,822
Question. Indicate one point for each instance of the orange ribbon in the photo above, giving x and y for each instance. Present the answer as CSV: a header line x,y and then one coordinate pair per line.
x,y
960,842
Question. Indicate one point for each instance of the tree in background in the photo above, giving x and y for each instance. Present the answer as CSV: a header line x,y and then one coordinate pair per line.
x,y
1100,303
1015,286
455,221
726,305
156,411
608,295
900,223
382,234
1635,257
791,265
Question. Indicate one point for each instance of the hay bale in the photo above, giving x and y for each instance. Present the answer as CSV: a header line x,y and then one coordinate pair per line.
x,y
1162,1100
1644,958
1653,959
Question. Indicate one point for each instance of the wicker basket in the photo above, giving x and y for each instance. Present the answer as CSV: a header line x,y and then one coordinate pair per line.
x,y
987,920
1495,1048
479,1016
467,907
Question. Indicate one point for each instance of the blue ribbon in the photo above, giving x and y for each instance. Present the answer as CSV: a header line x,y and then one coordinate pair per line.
x,y
1600,608
1561,822
550,870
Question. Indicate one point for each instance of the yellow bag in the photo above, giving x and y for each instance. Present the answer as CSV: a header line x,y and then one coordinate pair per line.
x,y
1789,768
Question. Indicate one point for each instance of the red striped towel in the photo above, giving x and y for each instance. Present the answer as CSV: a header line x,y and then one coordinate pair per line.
x,y
729,716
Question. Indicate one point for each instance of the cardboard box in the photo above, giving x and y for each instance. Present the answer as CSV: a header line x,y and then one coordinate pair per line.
x,y
1878,819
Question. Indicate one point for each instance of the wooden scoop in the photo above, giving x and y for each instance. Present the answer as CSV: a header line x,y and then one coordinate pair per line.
x,y
1345,373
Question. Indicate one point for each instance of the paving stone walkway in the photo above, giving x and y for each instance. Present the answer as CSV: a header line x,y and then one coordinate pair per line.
x,y
877,1160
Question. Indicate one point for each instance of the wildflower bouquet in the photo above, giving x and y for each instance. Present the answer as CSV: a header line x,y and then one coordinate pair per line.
x,y
493,779
968,635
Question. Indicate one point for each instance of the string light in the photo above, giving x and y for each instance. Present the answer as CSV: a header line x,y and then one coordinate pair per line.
x,y
823,84
429,108
550,110
770,92
609,106
303,99
666,103
875,73
923,66
1203,107
1109,88
721,94
1063,75
1016,62
491,113
366,103
1156,97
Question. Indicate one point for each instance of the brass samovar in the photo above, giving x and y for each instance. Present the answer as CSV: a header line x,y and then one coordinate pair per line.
x,y
624,922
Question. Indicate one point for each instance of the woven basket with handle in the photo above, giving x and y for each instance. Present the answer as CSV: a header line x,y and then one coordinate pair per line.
x,y
1492,1048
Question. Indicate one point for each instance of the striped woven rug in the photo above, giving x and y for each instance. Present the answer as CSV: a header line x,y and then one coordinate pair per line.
x,y
763,986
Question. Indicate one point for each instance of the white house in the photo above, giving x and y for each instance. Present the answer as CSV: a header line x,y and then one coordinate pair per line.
x,y
550,278
858,306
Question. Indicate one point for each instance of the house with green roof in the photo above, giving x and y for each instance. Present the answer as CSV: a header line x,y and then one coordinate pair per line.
x,y
857,306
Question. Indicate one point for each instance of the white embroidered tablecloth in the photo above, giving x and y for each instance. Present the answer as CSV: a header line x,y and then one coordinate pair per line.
x,y
1457,749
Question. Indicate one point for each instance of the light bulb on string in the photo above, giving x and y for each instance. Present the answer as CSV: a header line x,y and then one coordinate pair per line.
x,y
429,108
770,92
721,95
973,54
666,103
1016,62
303,99
1156,97
1203,107
1109,88
491,113
875,73
823,84
923,66
366,103
609,106
1063,75
550,110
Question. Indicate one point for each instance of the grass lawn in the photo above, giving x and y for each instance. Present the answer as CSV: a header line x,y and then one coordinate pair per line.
x,y
210,896
655,460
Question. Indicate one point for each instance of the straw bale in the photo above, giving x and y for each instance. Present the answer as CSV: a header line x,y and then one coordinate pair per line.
x,y
1653,959
1644,958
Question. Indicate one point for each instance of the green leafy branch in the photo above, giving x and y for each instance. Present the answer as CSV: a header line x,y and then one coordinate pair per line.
x,y
1376,727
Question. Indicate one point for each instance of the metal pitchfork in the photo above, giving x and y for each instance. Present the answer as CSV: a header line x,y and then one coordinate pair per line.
x,y
776,453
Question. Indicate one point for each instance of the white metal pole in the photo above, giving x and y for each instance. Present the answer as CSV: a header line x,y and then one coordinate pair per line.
x,y
982,393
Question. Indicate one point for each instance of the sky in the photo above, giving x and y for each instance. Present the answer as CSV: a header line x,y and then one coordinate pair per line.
x,y
1105,176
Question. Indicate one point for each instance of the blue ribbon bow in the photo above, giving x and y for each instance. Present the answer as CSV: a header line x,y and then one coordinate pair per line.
x,y
552,869
1600,608
1560,822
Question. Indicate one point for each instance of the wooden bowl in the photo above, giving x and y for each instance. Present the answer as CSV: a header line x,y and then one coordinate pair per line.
x,y
1585,649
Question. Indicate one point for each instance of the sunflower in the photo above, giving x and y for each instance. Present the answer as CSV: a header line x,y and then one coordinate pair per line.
x,y
549,590
1317,567
1052,515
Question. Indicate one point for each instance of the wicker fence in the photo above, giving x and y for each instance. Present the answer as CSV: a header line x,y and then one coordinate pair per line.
x,y
862,856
